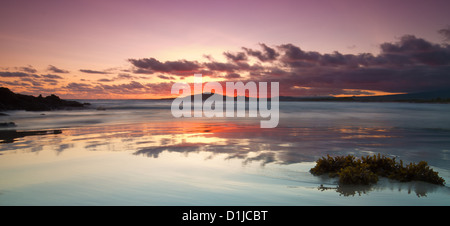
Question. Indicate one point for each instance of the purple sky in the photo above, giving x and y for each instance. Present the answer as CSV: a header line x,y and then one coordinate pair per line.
x,y
105,48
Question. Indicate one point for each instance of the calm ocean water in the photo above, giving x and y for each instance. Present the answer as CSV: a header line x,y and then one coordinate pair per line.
x,y
136,153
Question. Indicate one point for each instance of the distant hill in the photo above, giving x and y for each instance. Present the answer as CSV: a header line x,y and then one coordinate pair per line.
x,y
431,96
205,96
441,96
12,101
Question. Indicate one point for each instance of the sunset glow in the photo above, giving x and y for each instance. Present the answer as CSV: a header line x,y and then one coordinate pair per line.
x,y
138,49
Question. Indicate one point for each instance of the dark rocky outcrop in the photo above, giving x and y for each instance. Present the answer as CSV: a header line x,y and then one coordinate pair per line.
x,y
12,101
10,136
7,124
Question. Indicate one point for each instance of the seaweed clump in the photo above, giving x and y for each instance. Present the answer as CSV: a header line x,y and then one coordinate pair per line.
x,y
367,169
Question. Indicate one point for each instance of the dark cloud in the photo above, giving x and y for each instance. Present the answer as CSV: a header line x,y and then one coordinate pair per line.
x,y
88,90
142,71
105,80
410,64
153,65
124,76
445,33
50,76
232,76
56,70
219,66
32,81
236,57
138,88
15,83
84,90
131,86
295,57
166,77
236,62
8,74
50,81
78,86
412,50
267,54
93,71
159,88
28,69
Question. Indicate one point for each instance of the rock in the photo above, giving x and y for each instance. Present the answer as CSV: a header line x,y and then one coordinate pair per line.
x,y
7,124
12,101
10,136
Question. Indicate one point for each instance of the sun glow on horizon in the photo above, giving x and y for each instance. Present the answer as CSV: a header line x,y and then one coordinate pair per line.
x,y
365,93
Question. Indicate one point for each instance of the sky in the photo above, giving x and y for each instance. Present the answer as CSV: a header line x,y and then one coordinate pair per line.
x,y
138,49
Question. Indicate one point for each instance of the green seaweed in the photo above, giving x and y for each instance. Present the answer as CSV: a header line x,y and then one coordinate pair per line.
x,y
360,174
367,169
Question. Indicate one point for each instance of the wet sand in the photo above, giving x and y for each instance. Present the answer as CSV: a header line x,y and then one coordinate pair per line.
x,y
107,158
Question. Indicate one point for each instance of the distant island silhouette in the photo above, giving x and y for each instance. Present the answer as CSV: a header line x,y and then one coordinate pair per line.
x,y
440,96
12,101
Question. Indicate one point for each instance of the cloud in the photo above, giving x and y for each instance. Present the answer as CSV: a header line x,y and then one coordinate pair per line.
x,y
7,74
15,83
32,81
177,67
293,56
127,90
410,64
445,33
166,77
236,57
219,66
51,76
163,88
142,71
74,86
93,71
29,82
28,69
232,76
268,54
105,80
133,85
236,62
51,81
56,70
124,76
412,50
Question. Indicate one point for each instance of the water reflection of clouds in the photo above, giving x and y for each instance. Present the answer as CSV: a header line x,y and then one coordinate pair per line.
x,y
247,143
281,145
